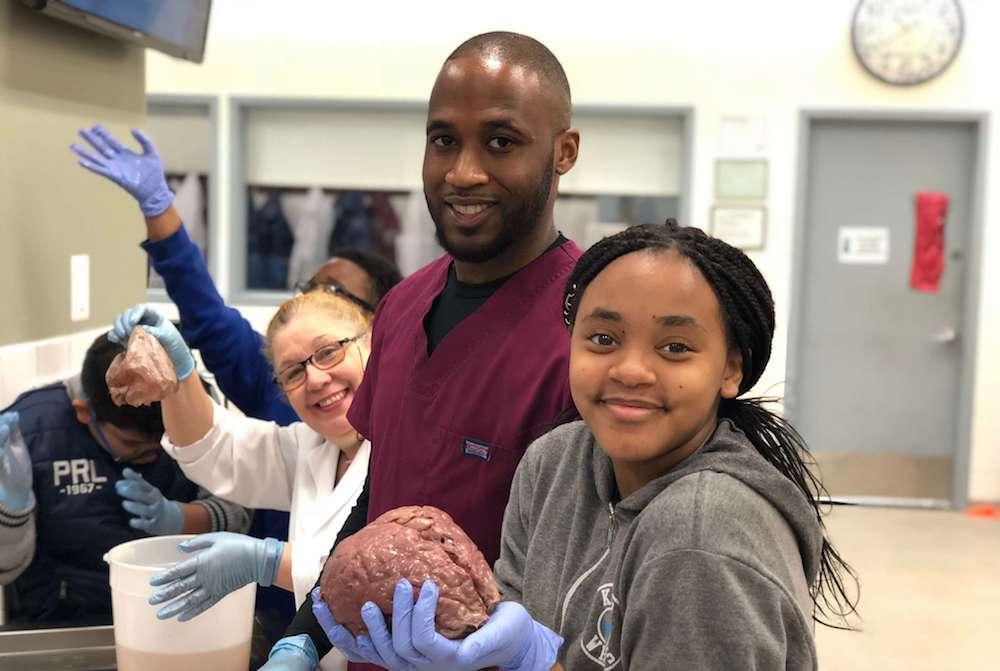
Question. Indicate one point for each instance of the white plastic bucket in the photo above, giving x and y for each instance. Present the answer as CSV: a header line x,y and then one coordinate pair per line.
x,y
216,640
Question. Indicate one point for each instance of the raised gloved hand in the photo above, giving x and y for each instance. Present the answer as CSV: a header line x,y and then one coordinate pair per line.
x,y
139,174
161,328
292,653
510,639
154,513
15,466
227,561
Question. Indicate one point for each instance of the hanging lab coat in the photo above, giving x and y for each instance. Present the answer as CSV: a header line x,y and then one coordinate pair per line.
x,y
190,204
312,230
416,245
262,465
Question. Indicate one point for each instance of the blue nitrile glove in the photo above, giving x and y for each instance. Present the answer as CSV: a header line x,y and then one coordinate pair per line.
x,y
227,561
139,174
15,466
356,649
154,513
161,328
510,640
292,653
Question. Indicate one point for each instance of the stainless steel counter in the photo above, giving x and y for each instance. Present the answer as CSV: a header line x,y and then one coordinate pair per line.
x,y
73,649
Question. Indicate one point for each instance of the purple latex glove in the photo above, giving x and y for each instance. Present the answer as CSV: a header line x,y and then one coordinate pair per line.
x,y
356,649
139,174
511,639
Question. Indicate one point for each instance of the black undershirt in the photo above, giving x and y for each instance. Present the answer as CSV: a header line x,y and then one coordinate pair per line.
x,y
459,299
456,301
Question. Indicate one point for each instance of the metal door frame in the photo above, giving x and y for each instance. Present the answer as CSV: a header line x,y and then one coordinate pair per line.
x,y
971,283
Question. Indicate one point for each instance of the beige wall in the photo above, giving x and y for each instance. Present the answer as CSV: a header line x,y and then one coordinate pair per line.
x,y
54,79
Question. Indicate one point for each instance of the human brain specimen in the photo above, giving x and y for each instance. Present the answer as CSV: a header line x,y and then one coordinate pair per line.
x,y
417,543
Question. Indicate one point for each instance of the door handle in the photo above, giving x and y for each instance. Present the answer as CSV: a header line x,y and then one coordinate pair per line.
x,y
945,336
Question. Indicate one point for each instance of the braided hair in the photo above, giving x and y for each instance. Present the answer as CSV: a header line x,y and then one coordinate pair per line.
x,y
748,318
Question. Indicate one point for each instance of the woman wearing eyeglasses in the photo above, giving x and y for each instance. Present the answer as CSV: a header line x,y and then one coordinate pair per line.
x,y
319,343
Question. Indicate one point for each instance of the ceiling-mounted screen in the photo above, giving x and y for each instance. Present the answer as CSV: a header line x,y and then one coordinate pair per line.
x,y
176,27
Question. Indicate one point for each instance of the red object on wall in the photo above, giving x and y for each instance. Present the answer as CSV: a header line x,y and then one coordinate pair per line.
x,y
928,243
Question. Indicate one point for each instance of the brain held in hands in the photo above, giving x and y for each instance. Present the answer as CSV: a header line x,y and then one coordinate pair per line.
x,y
143,373
417,543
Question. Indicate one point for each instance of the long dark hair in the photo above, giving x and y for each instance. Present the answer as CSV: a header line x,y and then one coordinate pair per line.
x,y
748,317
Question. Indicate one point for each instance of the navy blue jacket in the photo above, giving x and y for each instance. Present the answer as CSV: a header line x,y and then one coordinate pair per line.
x,y
269,244
79,516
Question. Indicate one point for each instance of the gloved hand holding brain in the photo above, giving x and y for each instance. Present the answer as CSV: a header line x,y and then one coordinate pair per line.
x,y
417,543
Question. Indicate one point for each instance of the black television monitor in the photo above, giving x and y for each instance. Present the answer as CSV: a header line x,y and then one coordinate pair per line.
x,y
176,27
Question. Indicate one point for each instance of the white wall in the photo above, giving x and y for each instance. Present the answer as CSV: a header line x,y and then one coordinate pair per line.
x,y
724,58
187,130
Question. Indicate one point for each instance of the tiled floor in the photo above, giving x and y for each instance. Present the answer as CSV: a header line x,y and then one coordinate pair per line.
x,y
930,591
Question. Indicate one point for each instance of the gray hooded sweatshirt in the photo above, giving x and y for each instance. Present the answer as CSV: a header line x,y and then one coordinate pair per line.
x,y
705,567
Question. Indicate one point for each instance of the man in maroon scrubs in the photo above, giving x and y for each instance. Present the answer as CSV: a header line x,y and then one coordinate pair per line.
x,y
470,354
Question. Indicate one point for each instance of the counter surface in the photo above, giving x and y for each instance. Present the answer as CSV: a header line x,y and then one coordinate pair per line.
x,y
70,649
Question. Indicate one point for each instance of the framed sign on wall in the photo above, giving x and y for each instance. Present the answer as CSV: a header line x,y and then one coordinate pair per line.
x,y
741,226
740,179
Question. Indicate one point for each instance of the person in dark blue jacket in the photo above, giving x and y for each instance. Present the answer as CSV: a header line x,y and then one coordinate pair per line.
x,y
99,478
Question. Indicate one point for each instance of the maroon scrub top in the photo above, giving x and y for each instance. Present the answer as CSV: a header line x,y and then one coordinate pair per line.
x,y
448,430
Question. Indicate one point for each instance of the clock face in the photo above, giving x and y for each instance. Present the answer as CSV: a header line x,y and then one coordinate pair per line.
x,y
906,42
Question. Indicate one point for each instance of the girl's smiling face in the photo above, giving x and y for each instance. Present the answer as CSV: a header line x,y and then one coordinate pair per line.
x,y
649,363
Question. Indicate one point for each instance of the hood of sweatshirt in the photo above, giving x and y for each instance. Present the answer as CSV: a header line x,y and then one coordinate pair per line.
x,y
728,451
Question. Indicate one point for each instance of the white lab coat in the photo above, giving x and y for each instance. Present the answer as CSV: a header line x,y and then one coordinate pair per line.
x,y
312,233
262,465
190,204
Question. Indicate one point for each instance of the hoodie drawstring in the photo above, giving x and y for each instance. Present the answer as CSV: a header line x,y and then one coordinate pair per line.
x,y
611,523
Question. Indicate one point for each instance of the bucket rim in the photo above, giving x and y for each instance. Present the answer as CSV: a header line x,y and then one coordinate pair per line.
x,y
110,561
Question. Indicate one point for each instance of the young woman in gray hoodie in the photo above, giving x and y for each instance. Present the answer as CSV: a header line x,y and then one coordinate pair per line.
x,y
676,525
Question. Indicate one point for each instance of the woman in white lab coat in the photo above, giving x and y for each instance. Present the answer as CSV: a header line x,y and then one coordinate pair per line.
x,y
319,344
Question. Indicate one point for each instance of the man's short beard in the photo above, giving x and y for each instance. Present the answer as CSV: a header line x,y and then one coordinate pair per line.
x,y
516,224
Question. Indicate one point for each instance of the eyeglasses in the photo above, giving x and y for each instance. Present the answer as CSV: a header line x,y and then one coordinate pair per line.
x,y
334,288
324,358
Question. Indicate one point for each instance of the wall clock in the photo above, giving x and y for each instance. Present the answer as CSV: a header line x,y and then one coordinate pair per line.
x,y
906,42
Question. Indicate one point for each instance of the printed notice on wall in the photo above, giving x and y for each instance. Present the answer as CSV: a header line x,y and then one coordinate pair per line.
x,y
741,227
863,245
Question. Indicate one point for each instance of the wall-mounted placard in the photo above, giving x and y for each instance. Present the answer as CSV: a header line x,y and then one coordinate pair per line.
x,y
740,179
868,245
742,227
